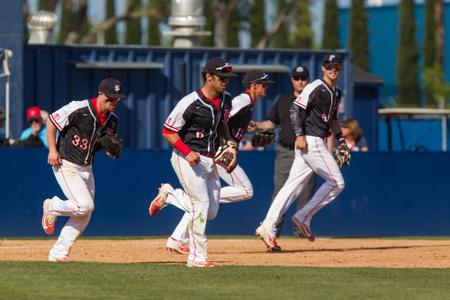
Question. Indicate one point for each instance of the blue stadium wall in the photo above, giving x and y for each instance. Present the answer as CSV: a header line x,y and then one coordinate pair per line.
x,y
386,194
155,79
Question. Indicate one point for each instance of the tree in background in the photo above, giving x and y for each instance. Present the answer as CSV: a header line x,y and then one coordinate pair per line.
x,y
111,34
66,21
208,40
234,27
280,39
160,12
435,86
330,38
49,5
133,32
358,40
407,56
302,36
256,22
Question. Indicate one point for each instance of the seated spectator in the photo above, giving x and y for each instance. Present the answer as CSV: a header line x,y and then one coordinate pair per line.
x,y
353,136
3,141
36,134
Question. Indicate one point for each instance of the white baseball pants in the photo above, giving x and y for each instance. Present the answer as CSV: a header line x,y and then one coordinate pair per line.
x,y
316,159
78,185
200,199
239,188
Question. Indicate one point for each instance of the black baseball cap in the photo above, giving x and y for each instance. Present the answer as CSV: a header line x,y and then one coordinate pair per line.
x,y
332,59
218,66
256,76
300,71
111,87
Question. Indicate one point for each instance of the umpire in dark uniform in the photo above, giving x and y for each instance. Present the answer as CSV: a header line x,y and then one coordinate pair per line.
x,y
279,117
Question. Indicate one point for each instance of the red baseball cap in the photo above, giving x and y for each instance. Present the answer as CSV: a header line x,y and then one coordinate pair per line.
x,y
33,112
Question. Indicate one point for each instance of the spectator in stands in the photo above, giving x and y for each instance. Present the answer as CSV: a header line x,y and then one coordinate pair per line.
x,y
36,134
2,129
353,136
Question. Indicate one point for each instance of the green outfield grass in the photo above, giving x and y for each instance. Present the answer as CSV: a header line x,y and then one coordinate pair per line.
x,y
43,280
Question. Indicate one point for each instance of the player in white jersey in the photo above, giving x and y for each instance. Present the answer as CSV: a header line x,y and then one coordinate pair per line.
x,y
80,125
313,116
239,186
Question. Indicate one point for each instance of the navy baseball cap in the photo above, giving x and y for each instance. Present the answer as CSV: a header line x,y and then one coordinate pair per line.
x,y
256,76
218,66
111,87
332,59
300,71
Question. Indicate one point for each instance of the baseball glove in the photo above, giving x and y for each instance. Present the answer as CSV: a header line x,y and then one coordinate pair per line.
x,y
112,145
262,139
343,155
227,156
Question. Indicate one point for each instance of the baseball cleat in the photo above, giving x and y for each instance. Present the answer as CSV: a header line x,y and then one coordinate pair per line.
x,y
63,259
48,219
200,264
160,200
269,240
304,229
175,246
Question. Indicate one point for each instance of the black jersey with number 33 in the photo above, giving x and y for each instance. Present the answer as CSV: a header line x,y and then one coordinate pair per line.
x,y
80,128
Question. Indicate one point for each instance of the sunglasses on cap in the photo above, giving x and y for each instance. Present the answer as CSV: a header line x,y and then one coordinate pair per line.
x,y
226,68
297,78
35,120
264,77
333,66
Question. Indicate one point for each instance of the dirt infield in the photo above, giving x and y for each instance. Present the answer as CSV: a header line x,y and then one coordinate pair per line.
x,y
324,252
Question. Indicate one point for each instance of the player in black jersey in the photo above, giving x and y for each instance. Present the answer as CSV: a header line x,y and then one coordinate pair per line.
x,y
80,124
314,118
195,128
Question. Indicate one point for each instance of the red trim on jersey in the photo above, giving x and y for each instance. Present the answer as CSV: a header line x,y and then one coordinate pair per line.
x,y
55,123
248,93
101,118
215,101
169,127
182,147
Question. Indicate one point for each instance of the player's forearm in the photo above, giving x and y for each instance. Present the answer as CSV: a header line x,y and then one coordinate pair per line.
x,y
51,135
175,141
336,129
265,125
297,119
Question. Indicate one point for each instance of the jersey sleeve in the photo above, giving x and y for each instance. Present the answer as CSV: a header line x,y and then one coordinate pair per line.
x,y
178,116
305,96
62,117
238,103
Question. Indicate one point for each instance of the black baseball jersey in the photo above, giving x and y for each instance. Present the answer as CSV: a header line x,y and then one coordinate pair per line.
x,y
315,109
240,116
279,115
79,128
198,122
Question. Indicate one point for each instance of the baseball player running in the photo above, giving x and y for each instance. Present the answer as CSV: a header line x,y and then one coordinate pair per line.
x,y
81,124
313,116
195,128
239,186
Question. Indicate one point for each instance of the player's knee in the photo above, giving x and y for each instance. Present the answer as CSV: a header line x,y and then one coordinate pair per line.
x,y
248,192
340,184
212,212
84,210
